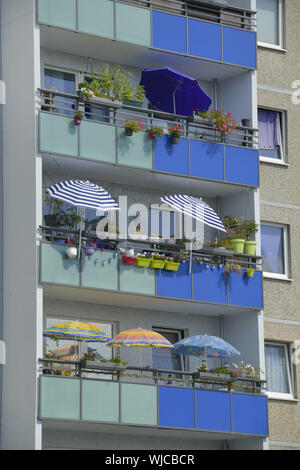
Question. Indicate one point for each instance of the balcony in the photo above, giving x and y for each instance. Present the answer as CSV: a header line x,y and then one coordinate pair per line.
x,y
199,30
205,282
146,398
202,153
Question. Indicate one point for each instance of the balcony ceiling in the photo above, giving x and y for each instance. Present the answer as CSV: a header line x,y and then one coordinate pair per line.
x,y
132,55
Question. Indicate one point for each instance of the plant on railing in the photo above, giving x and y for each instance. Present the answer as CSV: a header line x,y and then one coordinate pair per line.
x,y
221,121
55,215
203,367
155,131
132,126
175,132
140,93
50,102
78,116
247,370
238,235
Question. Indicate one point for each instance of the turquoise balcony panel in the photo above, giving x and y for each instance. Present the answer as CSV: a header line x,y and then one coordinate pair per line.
x,y
239,47
249,414
97,141
60,398
176,407
58,134
169,32
175,284
100,401
100,271
135,150
60,13
56,267
133,24
213,411
172,158
241,165
96,17
209,285
245,291
205,39
206,160
137,280
139,404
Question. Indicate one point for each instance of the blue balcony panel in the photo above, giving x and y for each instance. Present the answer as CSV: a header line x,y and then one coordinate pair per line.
x,y
209,285
176,407
56,267
169,32
249,414
170,157
100,401
239,47
60,398
58,134
175,284
213,411
245,291
96,17
135,150
97,141
60,13
99,271
204,39
133,24
206,160
241,165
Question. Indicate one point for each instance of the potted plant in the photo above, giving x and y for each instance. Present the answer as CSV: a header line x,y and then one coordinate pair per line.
x,y
132,126
89,249
236,232
175,133
155,131
143,260
78,116
220,120
157,261
55,211
172,263
88,362
250,272
128,96
128,259
48,103
250,246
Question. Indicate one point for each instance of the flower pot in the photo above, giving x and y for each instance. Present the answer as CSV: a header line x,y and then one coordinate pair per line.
x,y
89,250
77,121
128,132
71,252
157,264
128,259
171,266
136,104
105,101
174,139
250,248
238,245
51,220
151,136
143,262
250,272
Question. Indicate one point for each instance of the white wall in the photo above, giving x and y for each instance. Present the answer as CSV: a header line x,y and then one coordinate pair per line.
x,y
235,95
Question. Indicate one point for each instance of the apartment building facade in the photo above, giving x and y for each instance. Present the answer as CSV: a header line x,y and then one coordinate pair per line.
x,y
278,82
63,42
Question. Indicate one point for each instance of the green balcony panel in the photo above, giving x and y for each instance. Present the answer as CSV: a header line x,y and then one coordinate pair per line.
x,y
139,404
58,134
96,17
100,401
97,141
56,267
133,24
135,150
60,13
137,280
100,270
60,398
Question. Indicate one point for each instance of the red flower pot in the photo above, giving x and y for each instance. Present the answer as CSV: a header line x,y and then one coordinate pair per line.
x,y
77,121
128,259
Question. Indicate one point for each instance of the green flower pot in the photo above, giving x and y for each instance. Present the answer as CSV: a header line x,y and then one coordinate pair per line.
x,y
157,263
171,266
250,248
238,245
143,262
250,272
136,104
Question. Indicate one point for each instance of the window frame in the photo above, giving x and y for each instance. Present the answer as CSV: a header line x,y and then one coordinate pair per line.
x,y
280,46
181,335
283,127
286,263
290,376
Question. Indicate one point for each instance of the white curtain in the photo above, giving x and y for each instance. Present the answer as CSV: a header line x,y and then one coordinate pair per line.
x,y
276,369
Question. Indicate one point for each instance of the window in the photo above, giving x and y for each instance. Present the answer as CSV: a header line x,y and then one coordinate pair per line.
x,y
270,22
271,125
62,81
274,250
165,358
278,370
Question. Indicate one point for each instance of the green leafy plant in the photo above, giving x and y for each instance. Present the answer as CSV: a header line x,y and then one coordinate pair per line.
x,y
134,126
70,218
220,120
250,228
155,131
223,370
158,257
140,93
78,115
175,131
203,368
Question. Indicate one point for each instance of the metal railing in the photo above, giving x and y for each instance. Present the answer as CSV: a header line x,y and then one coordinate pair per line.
x,y
116,114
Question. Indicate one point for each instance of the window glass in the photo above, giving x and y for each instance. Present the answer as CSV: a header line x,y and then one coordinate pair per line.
x,y
272,246
63,82
268,21
270,134
165,358
277,368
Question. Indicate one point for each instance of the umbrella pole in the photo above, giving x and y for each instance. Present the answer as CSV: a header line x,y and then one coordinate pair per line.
x,y
140,354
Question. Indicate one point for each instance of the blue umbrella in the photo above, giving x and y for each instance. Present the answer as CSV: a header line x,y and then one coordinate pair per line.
x,y
174,92
211,346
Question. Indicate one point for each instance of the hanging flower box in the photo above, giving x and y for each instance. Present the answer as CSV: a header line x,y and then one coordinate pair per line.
x,y
143,261
128,259
172,264
157,262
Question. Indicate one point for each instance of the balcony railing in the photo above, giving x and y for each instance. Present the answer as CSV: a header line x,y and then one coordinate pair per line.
x,y
210,276
151,397
202,151
194,28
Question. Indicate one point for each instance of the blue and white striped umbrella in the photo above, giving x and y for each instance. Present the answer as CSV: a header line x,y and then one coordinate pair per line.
x,y
83,194
195,208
